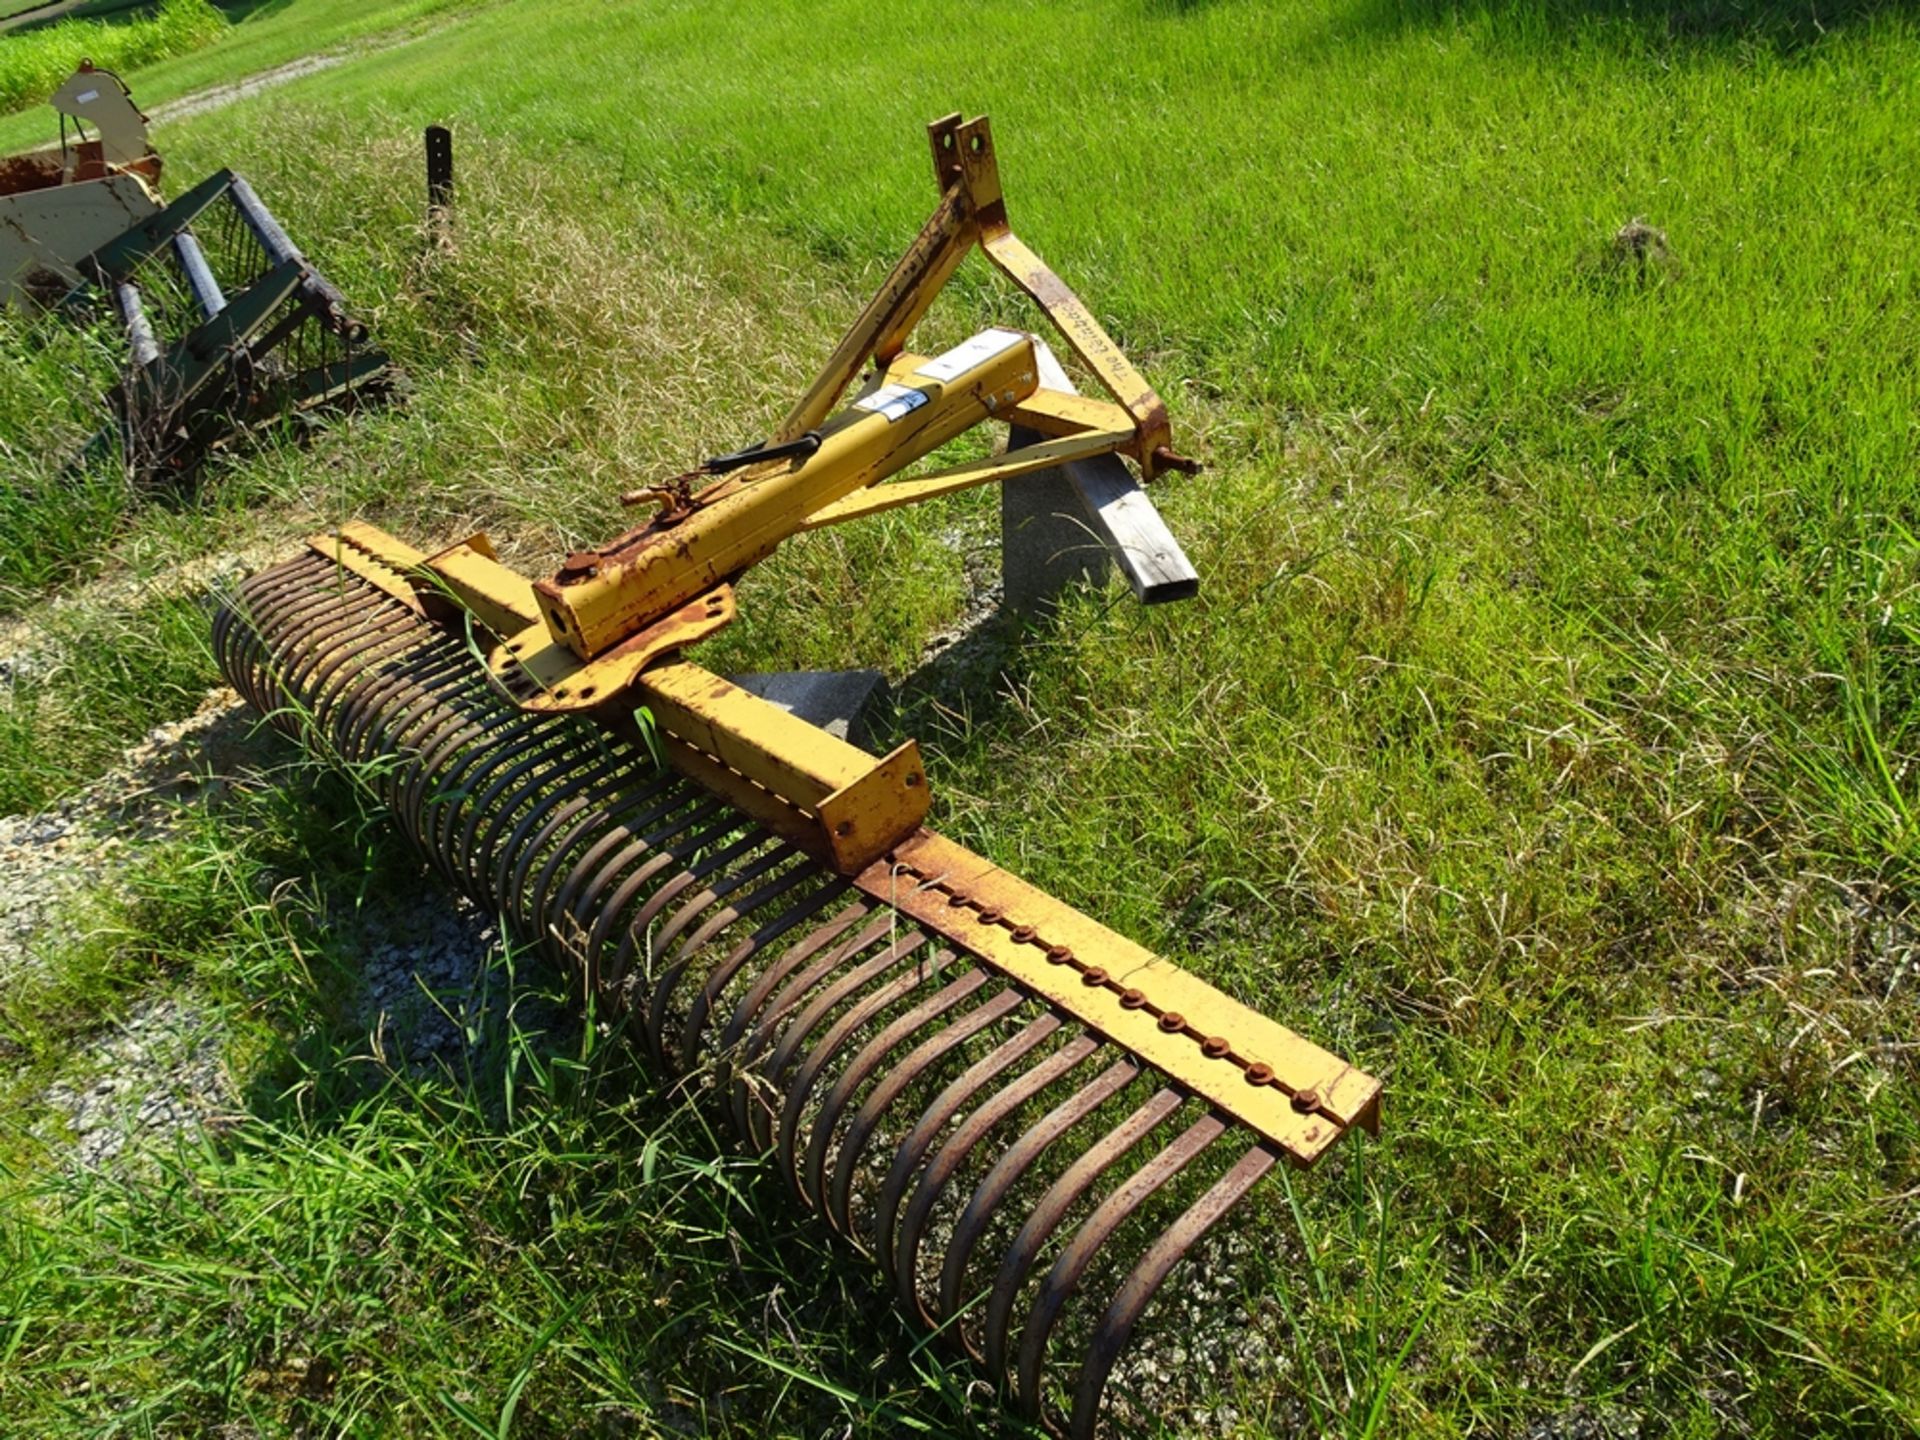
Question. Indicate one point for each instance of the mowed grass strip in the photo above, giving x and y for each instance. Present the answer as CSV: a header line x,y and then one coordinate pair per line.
x,y
1545,755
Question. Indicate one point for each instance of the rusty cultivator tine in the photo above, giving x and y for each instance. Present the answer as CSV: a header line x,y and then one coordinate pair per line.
x,y
997,1155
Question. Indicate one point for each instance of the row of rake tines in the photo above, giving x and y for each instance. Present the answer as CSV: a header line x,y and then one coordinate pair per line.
x,y
883,1070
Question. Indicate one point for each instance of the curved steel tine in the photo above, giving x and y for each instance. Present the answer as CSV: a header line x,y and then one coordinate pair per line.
x,y
747,1012
568,824
867,1118
354,634
952,1155
1110,1336
1068,1267
551,749
416,726
826,1119
413,782
619,846
629,889
712,855
691,909
676,963
800,1088
1014,1162
336,683
459,779
385,706
1072,1183
664,797
788,983
594,756
368,693
809,906
734,1052
959,1092
430,744
339,639
747,837
565,943
438,792
537,825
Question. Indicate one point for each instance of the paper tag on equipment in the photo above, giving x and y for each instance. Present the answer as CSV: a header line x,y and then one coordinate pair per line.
x,y
963,357
893,401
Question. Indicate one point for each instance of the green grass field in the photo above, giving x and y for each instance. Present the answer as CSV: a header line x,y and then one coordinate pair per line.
x,y
1543,737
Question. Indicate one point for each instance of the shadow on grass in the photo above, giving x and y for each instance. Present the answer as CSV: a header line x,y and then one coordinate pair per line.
x,y
1707,26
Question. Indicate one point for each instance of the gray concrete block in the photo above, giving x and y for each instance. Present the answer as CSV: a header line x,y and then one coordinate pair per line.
x,y
837,701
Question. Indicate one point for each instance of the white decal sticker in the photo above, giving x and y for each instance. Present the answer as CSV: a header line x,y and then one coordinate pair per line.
x,y
981,348
86,95
893,401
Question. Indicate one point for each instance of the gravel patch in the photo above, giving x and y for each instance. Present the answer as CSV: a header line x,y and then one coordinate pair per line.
x,y
158,1075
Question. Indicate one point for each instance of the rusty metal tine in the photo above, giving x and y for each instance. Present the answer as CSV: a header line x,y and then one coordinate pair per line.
x,y
911,1151
811,905
844,987
1068,1267
668,795
794,985
1060,1197
496,807
747,1012
826,1119
626,841
448,790
889,1089
548,748
596,870
800,1088
329,633
614,887
433,743
632,932
691,909
819,950
721,920
952,1155
610,771
1110,1336
629,889
553,838
1014,1162
395,715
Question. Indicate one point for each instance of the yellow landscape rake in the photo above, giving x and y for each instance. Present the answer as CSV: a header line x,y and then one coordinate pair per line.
x,y
1024,1119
